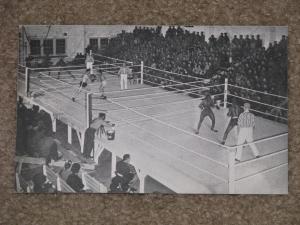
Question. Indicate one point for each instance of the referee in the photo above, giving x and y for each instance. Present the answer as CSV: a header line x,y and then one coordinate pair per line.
x,y
246,125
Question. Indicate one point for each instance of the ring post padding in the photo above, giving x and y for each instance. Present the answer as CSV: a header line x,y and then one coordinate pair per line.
x,y
26,82
231,171
88,107
142,72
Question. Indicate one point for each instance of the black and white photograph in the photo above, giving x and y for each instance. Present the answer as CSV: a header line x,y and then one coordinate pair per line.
x,y
152,109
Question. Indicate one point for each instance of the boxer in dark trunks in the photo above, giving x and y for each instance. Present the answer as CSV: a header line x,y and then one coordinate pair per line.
x,y
206,105
234,112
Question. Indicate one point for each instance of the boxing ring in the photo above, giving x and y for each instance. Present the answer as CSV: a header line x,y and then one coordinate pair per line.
x,y
155,123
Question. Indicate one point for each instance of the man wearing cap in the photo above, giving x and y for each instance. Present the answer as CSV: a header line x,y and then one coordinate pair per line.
x,y
246,124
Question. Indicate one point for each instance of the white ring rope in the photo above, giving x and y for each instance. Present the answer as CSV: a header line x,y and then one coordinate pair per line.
x,y
218,144
158,115
106,63
58,91
261,157
107,57
59,99
153,105
169,125
170,142
265,113
262,172
55,67
170,155
165,71
248,89
170,93
258,102
165,78
164,93
199,137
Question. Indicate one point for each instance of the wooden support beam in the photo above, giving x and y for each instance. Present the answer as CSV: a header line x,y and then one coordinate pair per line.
x,y
113,164
69,134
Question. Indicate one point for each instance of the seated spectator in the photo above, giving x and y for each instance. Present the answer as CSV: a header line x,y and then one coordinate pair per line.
x,y
66,171
127,171
74,181
40,184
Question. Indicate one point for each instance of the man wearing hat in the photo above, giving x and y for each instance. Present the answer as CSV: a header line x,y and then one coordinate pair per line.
x,y
246,125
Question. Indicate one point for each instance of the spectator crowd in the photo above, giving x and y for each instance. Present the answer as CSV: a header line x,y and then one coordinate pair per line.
x,y
243,60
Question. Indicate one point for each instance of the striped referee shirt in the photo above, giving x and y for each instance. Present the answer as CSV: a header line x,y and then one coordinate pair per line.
x,y
246,119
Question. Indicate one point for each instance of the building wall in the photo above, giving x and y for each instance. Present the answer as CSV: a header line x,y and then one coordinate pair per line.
x,y
77,36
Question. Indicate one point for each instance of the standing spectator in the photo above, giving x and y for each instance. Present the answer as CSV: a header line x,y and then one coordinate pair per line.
x,y
124,72
246,125
66,171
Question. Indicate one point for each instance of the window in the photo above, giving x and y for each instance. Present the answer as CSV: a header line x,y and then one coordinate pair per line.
x,y
48,47
104,42
60,46
35,47
94,43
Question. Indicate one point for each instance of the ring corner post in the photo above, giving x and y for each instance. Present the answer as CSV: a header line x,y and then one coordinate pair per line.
x,y
26,81
142,177
88,109
225,92
231,171
113,164
142,72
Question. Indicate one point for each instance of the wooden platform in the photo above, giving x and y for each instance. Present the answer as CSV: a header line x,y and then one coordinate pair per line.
x,y
157,128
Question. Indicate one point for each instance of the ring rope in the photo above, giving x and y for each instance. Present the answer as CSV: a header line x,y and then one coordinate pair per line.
x,y
264,113
165,78
262,157
170,142
165,71
248,89
121,60
262,172
259,102
169,93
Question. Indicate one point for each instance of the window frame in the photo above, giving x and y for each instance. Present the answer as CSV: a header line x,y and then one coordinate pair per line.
x,y
40,47
65,47
52,52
